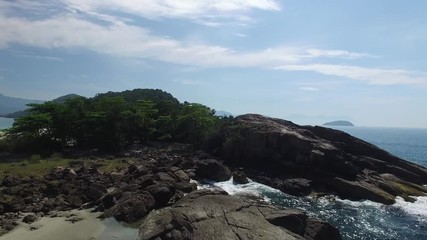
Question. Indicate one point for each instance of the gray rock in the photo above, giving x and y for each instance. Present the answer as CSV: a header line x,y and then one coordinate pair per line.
x,y
96,191
320,230
30,218
213,170
208,214
239,177
132,207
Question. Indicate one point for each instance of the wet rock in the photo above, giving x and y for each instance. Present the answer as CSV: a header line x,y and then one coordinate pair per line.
x,y
239,177
213,170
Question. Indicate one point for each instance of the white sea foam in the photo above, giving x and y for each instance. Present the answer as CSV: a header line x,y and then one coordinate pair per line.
x,y
364,203
418,208
252,188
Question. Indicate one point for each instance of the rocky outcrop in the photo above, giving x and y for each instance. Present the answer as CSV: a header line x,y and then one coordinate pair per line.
x,y
208,214
239,177
155,178
213,170
301,159
132,207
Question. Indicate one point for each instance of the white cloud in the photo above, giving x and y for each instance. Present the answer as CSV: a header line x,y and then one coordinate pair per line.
x,y
121,39
310,89
377,76
117,37
336,53
199,10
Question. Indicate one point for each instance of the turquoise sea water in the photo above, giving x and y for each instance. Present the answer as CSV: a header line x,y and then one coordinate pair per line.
x,y
5,122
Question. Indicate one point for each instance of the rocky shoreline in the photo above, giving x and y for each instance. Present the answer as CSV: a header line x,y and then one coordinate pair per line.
x,y
157,178
302,160
156,188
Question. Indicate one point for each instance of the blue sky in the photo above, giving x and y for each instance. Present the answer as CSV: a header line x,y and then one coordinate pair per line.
x,y
306,61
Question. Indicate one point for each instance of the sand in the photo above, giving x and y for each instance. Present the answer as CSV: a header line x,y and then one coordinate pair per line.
x,y
47,228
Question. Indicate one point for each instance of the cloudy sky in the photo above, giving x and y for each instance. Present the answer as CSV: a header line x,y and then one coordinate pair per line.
x,y
306,61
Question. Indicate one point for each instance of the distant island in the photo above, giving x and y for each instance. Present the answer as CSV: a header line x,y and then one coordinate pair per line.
x,y
339,123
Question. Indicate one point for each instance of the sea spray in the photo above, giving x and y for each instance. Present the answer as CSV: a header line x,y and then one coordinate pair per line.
x,y
417,208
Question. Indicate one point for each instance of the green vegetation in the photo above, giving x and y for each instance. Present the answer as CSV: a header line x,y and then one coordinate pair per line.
x,y
38,166
109,122
30,168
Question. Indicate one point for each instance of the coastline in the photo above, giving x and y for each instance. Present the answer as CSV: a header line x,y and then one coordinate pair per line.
x,y
87,226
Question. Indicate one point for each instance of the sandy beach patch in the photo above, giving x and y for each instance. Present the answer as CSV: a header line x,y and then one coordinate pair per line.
x,y
72,225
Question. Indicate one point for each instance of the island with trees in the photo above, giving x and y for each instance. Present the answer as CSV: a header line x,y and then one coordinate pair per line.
x,y
128,153
339,123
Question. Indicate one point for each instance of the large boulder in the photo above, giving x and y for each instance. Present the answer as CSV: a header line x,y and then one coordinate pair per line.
x,y
96,191
208,214
132,207
239,177
212,169
301,159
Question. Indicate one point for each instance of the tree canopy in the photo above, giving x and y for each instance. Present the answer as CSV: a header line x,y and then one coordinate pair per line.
x,y
113,120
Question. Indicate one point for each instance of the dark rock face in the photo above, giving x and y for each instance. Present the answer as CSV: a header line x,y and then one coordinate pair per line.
x,y
213,170
30,218
132,207
239,177
299,160
320,230
205,214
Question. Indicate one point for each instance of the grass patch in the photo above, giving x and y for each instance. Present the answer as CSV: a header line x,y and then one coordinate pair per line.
x,y
35,166
113,164
30,168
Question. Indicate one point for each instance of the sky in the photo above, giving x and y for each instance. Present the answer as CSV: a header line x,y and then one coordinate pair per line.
x,y
305,61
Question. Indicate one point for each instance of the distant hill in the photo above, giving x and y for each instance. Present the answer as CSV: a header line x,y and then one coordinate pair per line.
x,y
23,111
11,104
155,95
339,123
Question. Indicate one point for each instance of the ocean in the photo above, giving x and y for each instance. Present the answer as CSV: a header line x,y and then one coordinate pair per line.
x,y
361,219
5,123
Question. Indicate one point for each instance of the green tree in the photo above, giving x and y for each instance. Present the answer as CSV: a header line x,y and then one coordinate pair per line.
x,y
195,123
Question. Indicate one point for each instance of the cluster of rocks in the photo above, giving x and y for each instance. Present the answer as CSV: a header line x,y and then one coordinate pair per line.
x,y
301,160
157,177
